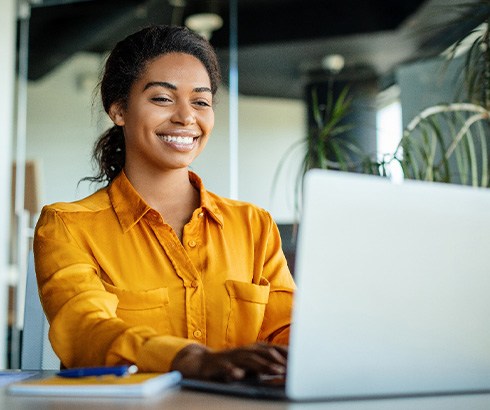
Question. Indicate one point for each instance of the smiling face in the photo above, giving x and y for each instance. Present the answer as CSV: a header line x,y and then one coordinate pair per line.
x,y
168,116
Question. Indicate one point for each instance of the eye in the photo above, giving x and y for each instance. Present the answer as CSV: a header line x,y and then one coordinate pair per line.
x,y
202,103
161,99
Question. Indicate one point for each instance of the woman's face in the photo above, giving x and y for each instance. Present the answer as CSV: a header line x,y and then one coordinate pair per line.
x,y
169,114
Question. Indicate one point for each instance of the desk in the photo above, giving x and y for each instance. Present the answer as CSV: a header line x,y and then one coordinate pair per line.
x,y
179,399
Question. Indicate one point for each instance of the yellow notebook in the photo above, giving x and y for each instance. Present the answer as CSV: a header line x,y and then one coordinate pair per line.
x,y
135,385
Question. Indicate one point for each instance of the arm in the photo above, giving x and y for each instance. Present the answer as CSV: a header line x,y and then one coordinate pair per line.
x,y
84,327
277,317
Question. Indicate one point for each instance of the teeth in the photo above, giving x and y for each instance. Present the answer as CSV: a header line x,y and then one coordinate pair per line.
x,y
178,140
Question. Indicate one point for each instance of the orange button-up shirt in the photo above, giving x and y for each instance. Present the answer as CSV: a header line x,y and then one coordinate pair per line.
x,y
118,286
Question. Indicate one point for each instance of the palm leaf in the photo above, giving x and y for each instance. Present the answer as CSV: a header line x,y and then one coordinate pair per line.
x,y
326,144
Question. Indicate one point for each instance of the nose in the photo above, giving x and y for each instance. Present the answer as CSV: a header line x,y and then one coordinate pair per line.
x,y
183,114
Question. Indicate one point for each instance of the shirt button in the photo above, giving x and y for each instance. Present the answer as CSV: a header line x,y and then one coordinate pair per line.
x,y
201,214
194,283
155,216
192,243
197,334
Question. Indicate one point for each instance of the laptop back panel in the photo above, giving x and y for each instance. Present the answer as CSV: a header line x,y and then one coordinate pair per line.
x,y
393,289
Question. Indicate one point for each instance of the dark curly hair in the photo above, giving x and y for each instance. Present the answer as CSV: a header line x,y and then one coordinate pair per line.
x,y
124,66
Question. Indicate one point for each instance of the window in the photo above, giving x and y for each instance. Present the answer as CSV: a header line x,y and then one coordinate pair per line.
x,y
389,133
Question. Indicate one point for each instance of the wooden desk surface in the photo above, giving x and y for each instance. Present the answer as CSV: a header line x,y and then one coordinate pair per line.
x,y
189,400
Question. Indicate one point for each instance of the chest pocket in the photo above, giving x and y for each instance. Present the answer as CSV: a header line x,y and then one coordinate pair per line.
x,y
148,307
247,309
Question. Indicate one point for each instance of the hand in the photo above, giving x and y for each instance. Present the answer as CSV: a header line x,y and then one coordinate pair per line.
x,y
198,362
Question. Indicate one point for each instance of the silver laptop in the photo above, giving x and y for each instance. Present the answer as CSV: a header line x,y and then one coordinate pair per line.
x,y
393,291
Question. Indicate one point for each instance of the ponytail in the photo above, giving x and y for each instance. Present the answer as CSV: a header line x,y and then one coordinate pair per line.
x,y
109,156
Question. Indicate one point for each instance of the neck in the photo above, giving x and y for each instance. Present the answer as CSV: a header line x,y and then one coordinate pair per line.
x,y
170,193
162,189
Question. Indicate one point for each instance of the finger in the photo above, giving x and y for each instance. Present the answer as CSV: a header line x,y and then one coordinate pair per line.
x,y
273,353
255,362
218,367
283,350
280,353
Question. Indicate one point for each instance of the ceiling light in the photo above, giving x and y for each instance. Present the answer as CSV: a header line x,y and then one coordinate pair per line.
x,y
177,3
204,23
333,62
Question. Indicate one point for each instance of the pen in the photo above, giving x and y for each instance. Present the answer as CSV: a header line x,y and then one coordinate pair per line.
x,y
98,371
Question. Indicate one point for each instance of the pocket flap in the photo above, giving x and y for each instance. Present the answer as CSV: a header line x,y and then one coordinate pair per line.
x,y
249,292
138,300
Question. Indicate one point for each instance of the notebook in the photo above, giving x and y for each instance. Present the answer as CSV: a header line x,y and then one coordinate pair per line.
x,y
393,293
11,376
135,385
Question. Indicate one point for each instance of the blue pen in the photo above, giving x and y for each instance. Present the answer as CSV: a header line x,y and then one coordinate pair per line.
x,y
98,371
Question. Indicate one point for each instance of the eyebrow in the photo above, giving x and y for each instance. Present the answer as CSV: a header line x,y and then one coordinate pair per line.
x,y
170,86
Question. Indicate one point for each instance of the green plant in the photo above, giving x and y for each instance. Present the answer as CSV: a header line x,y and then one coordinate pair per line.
x,y
326,144
476,67
447,143
443,143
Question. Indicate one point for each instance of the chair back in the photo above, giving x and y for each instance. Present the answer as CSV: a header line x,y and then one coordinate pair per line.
x,y
37,353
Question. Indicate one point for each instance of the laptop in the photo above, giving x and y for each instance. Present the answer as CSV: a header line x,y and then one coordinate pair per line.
x,y
393,295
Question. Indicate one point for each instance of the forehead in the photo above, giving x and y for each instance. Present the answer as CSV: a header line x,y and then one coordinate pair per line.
x,y
176,67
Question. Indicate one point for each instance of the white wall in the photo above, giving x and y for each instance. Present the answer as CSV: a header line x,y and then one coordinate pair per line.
x,y
7,66
268,129
62,127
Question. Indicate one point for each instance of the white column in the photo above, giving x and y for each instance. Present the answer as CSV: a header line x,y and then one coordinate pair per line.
x,y
7,79
233,104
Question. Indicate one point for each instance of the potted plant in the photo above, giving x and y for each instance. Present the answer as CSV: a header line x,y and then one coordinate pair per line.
x,y
444,143
449,142
326,144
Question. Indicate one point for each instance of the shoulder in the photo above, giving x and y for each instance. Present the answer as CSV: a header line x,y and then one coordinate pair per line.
x,y
94,203
223,204
82,210
241,209
67,218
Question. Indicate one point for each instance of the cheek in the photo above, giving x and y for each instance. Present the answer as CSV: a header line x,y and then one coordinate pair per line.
x,y
209,122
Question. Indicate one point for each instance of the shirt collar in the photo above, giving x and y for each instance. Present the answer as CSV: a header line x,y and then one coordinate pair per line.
x,y
130,207
207,202
127,203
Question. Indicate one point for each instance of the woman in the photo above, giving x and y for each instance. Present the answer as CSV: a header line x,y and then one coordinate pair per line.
x,y
154,270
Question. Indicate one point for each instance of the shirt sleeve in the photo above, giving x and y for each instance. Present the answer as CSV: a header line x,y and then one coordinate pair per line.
x,y
84,328
277,317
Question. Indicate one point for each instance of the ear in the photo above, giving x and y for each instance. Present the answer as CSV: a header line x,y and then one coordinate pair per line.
x,y
117,114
